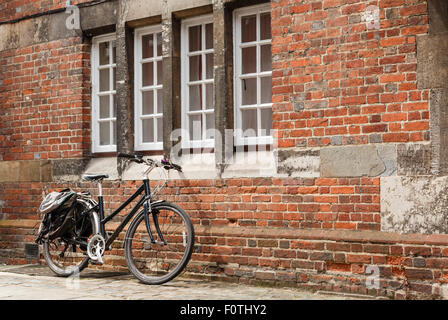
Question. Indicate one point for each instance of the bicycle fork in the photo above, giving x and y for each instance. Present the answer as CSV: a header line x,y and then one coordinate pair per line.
x,y
147,210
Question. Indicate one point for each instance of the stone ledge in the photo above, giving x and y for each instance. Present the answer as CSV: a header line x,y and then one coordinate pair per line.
x,y
374,237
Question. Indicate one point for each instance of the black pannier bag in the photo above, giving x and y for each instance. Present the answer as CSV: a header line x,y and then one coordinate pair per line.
x,y
58,209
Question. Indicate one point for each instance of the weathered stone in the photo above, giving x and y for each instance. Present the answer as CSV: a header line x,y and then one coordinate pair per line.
x,y
106,165
97,18
40,29
298,162
414,204
356,161
414,159
30,171
124,97
388,154
438,129
223,70
69,169
432,66
438,16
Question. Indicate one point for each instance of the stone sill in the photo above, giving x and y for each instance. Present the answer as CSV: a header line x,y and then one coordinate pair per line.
x,y
194,166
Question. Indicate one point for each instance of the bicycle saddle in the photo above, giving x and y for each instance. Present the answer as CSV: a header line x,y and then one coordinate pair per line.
x,y
94,177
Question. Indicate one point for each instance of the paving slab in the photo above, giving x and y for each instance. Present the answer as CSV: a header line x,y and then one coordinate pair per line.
x,y
36,282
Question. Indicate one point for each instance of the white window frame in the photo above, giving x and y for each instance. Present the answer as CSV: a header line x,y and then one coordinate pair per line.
x,y
95,65
238,45
185,71
138,88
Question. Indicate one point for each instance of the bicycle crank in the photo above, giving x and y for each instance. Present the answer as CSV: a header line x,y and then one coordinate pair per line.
x,y
95,248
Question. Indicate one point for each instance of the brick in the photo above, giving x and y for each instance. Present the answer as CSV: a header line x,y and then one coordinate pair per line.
x,y
357,258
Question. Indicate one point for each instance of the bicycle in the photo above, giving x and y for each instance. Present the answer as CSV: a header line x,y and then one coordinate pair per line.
x,y
157,245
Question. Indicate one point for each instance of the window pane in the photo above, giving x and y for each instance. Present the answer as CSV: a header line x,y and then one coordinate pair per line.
x,y
147,46
104,80
210,126
266,89
114,104
159,129
159,44
114,132
265,26
104,53
266,121
249,28
104,107
159,101
104,133
148,74
209,96
194,38
195,68
249,122
114,51
195,123
195,97
148,130
159,72
114,79
147,102
249,60
249,91
266,58
209,66
209,36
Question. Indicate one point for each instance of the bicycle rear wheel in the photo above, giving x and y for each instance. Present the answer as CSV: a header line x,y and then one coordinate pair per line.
x,y
65,256
159,262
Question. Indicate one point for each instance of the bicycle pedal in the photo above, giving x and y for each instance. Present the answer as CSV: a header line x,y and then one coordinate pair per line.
x,y
97,262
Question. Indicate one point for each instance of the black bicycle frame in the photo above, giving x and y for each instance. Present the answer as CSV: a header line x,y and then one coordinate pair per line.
x,y
145,200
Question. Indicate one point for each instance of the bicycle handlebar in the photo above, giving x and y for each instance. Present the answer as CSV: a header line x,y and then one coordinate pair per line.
x,y
166,164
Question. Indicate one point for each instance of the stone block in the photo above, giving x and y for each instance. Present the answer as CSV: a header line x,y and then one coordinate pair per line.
x,y
414,204
358,161
438,16
432,61
298,163
414,159
438,129
29,171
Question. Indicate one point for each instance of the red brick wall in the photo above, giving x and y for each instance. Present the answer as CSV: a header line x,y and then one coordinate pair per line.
x,y
45,99
357,86
293,254
16,9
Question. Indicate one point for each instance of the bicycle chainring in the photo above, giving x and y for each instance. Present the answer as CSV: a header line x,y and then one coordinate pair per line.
x,y
96,247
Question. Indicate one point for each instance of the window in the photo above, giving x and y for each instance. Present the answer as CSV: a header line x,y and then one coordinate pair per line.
x,y
198,119
104,128
148,80
253,76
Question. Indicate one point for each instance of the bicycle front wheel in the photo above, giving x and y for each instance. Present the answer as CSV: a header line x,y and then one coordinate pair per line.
x,y
163,259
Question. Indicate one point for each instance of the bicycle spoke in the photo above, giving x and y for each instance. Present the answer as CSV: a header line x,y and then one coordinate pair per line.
x,y
159,260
